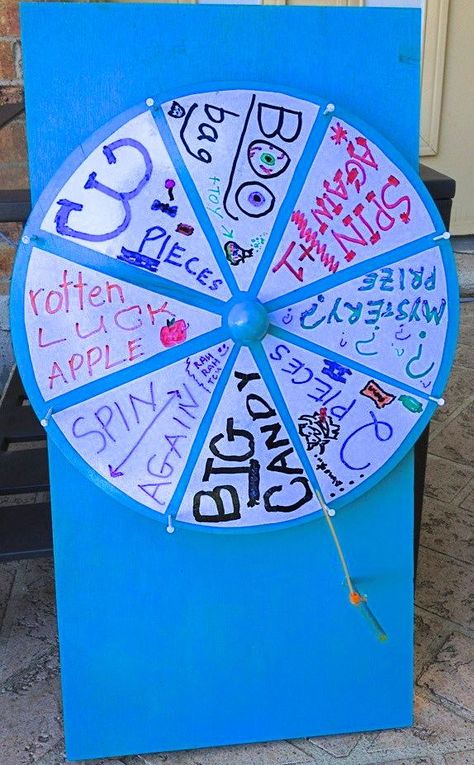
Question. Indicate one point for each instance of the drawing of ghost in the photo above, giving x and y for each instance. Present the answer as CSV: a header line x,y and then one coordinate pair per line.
x,y
236,254
317,430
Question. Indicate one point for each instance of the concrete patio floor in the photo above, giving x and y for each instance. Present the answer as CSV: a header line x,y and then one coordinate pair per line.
x,y
443,734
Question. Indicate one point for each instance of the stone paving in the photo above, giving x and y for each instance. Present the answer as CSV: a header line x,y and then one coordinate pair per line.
x,y
443,734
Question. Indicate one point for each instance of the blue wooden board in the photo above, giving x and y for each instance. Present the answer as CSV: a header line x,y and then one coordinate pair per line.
x,y
171,642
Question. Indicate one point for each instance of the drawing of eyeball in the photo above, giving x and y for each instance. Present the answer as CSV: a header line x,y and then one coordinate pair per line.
x,y
266,159
254,199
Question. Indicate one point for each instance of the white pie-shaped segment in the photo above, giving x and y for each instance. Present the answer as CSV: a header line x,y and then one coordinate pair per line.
x,y
393,320
349,423
125,200
355,204
241,148
248,472
82,325
138,436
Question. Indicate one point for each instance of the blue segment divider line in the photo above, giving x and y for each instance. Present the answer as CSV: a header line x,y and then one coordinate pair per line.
x,y
136,371
194,198
270,381
201,435
313,143
415,247
320,350
117,269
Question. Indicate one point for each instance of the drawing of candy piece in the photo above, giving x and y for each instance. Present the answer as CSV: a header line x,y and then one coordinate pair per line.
x,y
411,404
380,398
185,229
173,333
165,207
169,186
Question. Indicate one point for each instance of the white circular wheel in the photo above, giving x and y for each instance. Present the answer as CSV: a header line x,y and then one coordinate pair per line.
x,y
230,303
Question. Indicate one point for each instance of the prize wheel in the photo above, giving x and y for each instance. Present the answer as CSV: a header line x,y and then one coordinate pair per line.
x,y
235,308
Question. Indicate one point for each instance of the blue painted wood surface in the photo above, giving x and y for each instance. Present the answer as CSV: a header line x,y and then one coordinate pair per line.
x,y
184,640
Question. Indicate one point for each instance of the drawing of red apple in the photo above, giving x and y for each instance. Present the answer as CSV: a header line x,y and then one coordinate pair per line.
x,y
173,333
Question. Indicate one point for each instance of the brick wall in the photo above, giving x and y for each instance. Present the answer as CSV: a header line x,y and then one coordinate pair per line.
x,y
13,161
13,166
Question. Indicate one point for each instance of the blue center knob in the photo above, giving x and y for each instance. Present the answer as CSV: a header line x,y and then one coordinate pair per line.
x,y
247,321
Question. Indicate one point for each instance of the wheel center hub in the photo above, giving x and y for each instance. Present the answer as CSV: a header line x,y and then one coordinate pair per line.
x,y
247,321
